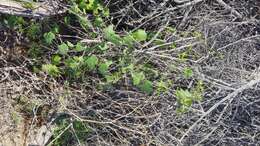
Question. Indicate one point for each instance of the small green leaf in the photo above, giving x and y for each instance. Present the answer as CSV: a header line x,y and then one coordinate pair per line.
x,y
70,44
137,77
71,63
103,47
140,35
184,97
182,109
146,86
187,72
55,28
186,101
67,20
113,78
33,31
56,59
183,56
198,91
85,23
63,49
129,40
98,22
91,62
111,35
51,69
163,86
106,12
103,67
36,69
128,68
49,37
80,47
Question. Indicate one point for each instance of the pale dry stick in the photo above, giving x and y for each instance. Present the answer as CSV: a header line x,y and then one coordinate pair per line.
x,y
167,44
5,77
33,120
76,135
140,117
185,17
219,81
215,128
231,95
57,137
238,41
134,110
181,1
156,35
109,122
89,41
162,56
169,10
183,5
256,126
221,22
167,51
207,136
218,84
185,39
221,2
70,36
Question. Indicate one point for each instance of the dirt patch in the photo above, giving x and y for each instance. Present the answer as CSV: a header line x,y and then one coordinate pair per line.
x,y
11,124
16,129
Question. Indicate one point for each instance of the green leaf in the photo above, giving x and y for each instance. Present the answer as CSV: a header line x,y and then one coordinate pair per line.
x,y
146,86
36,69
182,109
80,47
137,77
198,91
63,49
33,31
67,20
70,44
162,86
113,78
103,47
35,51
90,5
187,72
74,66
129,40
14,21
99,22
55,28
49,37
84,22
111,35
72,63
128,68
186,102
140,35
91,62
106,12
103,67
184,97
56,59
51,69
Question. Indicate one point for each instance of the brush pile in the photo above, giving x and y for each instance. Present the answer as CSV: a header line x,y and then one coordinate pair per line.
x,y
220,41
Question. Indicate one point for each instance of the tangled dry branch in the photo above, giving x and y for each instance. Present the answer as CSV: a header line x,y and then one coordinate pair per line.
x,y
226,56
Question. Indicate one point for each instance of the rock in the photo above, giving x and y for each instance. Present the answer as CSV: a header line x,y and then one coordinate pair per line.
x,y
31,9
